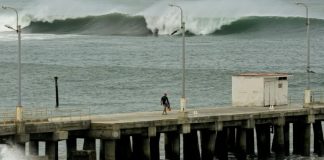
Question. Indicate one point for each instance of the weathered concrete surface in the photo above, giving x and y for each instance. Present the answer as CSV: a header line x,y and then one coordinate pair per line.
x,y
7,129
32,157
84,155
45,127
150,123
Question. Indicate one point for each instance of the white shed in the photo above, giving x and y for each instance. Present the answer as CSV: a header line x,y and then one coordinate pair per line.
x,y
259,89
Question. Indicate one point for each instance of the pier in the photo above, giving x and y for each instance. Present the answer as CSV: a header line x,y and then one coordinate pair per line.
x,y
221,130
261,122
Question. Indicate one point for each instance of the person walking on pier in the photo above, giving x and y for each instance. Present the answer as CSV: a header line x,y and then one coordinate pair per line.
x,y
166,104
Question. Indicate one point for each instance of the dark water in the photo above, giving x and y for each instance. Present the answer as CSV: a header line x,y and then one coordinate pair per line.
x,y
124,74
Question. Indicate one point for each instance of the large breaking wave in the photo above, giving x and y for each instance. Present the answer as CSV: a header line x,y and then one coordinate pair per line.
x,y
269,25
141,17
123,24
111,24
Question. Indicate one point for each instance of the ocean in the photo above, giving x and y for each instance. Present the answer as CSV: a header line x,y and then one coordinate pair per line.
x,y
106,57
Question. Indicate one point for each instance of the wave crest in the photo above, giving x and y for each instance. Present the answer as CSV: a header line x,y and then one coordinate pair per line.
x,y
111,24
268,25
122,24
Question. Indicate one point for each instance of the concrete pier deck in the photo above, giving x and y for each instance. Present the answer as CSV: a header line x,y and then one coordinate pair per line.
x,y
215,125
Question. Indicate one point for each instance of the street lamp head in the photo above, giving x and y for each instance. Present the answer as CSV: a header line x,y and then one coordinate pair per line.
x,y
9,27
171,5
4,7
303,4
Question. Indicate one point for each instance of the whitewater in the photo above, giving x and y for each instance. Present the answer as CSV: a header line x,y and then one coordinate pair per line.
x,y
141,18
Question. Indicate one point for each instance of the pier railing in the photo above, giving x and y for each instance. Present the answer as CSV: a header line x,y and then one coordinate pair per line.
x,y
41,114
7,116
318,97
56,114
293,101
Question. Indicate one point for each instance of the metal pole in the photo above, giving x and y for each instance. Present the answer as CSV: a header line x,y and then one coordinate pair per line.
x,y
308,45
183,95
19,64
183,56
18,30
56,92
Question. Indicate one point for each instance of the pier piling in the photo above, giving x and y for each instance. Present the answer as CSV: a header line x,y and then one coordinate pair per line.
x,y
123,148
221,151
241,143
172,145
71,146
109,149
155,147
250,139
318,138
263,140
141,147
191,146
287,139
51,150
89,144
208,140
33,148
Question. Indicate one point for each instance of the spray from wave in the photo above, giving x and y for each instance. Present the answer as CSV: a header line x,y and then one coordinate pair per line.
x,y
8,152
141,17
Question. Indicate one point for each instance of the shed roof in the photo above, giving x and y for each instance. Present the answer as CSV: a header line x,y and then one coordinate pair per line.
x,y
255,74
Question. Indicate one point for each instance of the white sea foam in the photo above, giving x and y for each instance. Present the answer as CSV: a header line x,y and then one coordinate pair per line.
x,y
10,153
12,36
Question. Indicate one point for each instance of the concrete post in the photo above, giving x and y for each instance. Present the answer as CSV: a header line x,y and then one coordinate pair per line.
x,y
297,139
263,140
208,140
89,144
141,147
102,150
250,140
146,148
231,143
279,142
172,145
51,150
221,145
71,146
109,149
123,148
191,146
306,139
21,137
84,155
307,97
318,139
241,144
155,147
33,148
286,139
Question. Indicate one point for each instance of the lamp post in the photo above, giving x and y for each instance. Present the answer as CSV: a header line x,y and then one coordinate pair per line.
x,y
18,30
308,45
183,100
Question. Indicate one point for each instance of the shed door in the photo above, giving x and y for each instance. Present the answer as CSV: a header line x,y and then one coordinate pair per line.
x,y
269,93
